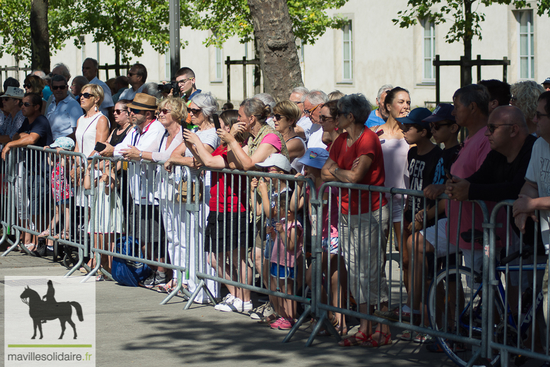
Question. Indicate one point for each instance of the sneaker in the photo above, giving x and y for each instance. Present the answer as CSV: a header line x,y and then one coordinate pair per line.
x,y
275,324
238,305
155,279
226,300
407,335
423,338
286,324
262,311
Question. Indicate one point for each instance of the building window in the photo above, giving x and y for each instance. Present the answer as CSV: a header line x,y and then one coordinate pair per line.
x,y
526,44
219,64
429,50
347,54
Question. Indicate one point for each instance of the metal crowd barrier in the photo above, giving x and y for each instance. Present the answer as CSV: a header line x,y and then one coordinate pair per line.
x,y
518,300
359,279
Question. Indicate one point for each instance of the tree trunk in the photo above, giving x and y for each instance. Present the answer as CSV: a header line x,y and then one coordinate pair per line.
x,y
276,45
40,36
466,68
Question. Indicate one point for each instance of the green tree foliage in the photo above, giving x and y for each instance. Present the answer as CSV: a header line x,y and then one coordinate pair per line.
x,y
125,25
465,23
15,30
228,18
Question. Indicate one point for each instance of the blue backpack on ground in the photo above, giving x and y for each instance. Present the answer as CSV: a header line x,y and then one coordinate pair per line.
x,y
129,272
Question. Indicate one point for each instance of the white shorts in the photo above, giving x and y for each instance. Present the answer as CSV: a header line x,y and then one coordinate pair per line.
x,y
397,208
441,246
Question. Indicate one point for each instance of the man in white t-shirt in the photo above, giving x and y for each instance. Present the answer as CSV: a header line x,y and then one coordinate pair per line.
x,y
89,70
312,108
535,193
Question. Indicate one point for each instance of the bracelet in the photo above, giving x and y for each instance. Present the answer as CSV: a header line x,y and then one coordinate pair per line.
x,y
140,155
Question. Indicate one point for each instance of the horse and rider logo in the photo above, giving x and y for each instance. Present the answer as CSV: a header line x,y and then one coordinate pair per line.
x,y
47,308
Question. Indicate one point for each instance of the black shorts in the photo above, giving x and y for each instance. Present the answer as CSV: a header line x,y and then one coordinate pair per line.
x,y
226,231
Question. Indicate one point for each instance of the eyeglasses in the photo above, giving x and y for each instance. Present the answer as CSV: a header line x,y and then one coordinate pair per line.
x,y
325,118
28,86
135,111
278,116
27,104
194,111
118,112
183,81
436,127
310,111
87,95
164,111
539,115
297,102
493,127
56,87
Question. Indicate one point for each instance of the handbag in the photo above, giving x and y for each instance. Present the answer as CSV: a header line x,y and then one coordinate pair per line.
x,y
183,191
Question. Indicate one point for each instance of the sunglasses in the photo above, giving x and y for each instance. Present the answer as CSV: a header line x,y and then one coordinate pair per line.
x,y
131,74
195,111
493,127
164,111
56,87
27,104
118,112
325,118
310,111
539,115
135,111
436,127
28,86
87,95
278,116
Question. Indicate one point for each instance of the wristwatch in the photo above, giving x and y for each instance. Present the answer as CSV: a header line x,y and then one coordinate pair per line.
x,y
140,155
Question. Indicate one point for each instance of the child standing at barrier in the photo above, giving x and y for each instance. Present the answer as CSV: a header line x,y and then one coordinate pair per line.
x,y
61,190
287,252
270,190
313,162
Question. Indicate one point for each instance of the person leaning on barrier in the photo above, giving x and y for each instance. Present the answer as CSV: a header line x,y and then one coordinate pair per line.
x,y
202,108
333,264
35,130
12,115
145,212
534,193
227,226
356,157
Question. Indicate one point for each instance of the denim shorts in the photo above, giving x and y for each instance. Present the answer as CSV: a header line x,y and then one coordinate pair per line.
x,y
284,271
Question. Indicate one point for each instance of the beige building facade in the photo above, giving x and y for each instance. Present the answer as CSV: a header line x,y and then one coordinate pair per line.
x,y
369,52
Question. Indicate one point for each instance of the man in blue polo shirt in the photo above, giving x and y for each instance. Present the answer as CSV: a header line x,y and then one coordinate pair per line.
x,y
63,112
379,116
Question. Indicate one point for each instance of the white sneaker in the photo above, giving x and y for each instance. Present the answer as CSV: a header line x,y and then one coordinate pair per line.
x,y
236,306
262,311
225,301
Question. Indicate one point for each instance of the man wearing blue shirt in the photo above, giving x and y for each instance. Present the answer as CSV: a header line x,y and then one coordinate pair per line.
x,y
63,112
380,115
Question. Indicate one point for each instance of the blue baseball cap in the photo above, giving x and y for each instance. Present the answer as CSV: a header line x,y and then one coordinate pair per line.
x,y
314,157
417,116
443,111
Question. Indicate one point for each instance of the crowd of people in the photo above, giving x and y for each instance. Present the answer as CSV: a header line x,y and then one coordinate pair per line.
x,y
324,138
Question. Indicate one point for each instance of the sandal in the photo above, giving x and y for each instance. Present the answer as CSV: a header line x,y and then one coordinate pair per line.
x,y
46,233
372,343
354,340
422,338
406,335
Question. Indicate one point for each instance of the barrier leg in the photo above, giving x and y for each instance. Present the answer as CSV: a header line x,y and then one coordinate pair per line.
x,y
179,287
78,264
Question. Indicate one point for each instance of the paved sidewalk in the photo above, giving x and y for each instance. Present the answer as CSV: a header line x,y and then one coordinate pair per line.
x,y
134,330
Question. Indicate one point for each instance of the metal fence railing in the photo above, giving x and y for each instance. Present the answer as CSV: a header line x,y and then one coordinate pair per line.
x,y
328,252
